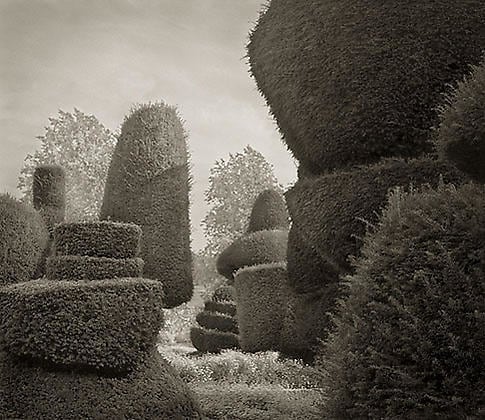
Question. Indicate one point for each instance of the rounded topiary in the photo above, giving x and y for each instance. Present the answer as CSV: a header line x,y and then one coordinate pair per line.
x,y
212,341
269,212
409,340
461,133
148,184
350,82
23,240
224,293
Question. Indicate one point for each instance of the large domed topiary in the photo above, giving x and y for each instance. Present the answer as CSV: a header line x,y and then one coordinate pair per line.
x,y
409,340
23,240
352,81
148,184
461,133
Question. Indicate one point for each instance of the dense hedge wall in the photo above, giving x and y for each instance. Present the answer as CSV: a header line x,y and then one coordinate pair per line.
x,y
226,308
329,211
461,133
350,81
75,267
24,239
148,184
152,391
269,212
212,341
261,296
262,247
105,325
97,239
409,340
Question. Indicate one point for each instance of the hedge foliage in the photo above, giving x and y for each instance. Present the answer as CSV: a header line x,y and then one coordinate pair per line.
x,y
461,134
23,239
269,212
350,82
213,341
226,308
224,293
152,391
409,341
148,184
261,296
217,321
262,247
104,325
331,212
75,267
97,239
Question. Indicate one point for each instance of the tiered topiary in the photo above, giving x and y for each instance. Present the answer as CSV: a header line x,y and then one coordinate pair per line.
x,y
148,184
49,198
23,240
256,264
316,65
409,340
84,346
217,329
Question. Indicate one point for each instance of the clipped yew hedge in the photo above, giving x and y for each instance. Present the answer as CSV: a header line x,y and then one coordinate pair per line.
x,y
262,247
151,391
226,308
269,212
350,82
212,341
332,211
217,321
97,239
24,238
99,325
224,293
409,340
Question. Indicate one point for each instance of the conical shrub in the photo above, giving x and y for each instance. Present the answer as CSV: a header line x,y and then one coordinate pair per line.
x,y
148,184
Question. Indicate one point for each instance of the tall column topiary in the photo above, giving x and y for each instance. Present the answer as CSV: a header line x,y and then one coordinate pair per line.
x,y
148,184
81,343
355,90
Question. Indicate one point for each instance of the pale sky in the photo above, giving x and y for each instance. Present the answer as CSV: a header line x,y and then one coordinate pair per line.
x,y
103,56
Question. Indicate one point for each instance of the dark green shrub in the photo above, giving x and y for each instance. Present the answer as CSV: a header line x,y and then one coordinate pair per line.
x,y
104,325
148,184
224,293
217,321
75,267
269,212
97,239
152,391
23,240
350,81
461,133
212,341
409,341
261,296
262,247
331,211
226,308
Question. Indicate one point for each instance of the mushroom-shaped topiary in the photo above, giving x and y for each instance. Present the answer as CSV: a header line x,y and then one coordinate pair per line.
x,y
461,133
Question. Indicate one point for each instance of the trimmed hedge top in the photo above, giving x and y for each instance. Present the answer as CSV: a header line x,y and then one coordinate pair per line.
x,y
352,81
98,239
269,212
106,325
461,134
49,187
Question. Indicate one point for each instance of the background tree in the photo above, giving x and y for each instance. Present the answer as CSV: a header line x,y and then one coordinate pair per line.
x,y
83,146
234,185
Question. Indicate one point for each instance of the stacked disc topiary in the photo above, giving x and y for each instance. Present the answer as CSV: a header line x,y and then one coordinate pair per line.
x,y
148,184
354,134
23,240
81,343
255,263
217,329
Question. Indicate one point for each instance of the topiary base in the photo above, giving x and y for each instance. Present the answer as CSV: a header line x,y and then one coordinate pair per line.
x,y
152,391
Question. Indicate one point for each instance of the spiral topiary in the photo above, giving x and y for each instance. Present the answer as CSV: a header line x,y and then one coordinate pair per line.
x,y
23,240
461,133
148,184
350,82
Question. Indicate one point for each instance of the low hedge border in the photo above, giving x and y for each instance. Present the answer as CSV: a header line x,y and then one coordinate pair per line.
x,y
217,321
74,267
98,239
226,308
106,325
212,341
